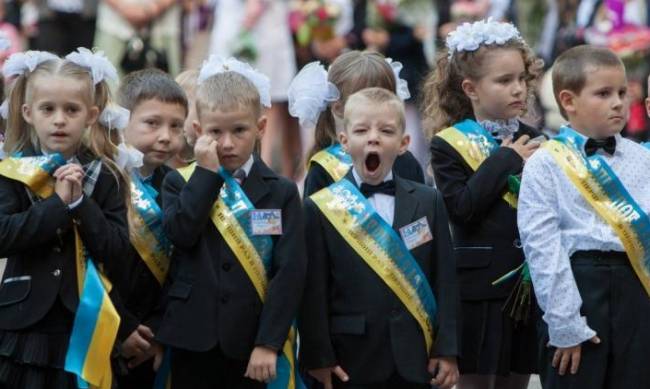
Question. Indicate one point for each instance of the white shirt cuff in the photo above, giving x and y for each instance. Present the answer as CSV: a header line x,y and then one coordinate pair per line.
x,y
76,203
571,334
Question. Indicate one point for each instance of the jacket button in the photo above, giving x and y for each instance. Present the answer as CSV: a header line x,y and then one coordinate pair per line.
x,y
56,273
57,249
59,231
225,267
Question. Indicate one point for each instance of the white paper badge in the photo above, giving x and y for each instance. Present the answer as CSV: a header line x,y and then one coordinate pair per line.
x,y
416,233
266,222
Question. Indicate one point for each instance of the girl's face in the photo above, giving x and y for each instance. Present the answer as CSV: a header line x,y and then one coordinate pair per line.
x,y
501,92
59,111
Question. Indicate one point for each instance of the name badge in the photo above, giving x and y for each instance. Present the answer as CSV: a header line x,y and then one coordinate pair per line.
x,y
266,222
416,233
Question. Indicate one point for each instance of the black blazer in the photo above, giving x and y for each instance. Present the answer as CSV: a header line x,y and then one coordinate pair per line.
x,y
350,317
211,300
406,166
484,226
140,291
38,240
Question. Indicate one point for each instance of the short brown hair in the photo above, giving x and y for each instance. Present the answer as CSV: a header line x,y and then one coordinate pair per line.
x,y
570,68
189,81
150,84
378,97
228,90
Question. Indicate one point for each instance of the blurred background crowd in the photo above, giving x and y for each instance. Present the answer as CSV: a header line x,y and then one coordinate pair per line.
x,y
279,37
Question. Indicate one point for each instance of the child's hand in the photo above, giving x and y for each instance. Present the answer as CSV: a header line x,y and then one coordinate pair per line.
x,y
68,182
158,354
261,366
324,375
205,152
63,189
138,343
445,370
569,356
524,148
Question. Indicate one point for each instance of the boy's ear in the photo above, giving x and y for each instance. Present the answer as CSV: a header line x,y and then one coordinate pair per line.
x,y
647,106
343,140
197,128
27,113
93,115
566,98
469,88
337,108
261,126
404,143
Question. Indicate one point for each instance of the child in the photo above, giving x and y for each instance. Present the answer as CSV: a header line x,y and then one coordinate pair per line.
x,y
583,209
188,81
63,214
480,87
238,266
357,323
158,109
314,102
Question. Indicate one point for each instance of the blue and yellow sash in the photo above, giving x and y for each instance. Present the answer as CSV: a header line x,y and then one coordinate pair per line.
x,y
96,320
381,248
231,216
602,189
146,229
334,160
475,145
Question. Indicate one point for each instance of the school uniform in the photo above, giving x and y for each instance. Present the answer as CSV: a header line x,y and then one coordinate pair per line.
x,y
214,316
487,246
140,299
350,317
582,276
406,166
39,292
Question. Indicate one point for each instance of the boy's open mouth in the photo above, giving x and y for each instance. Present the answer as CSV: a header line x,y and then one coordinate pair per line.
x,y
372,162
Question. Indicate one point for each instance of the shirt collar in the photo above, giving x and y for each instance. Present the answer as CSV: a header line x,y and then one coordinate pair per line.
x,y
247,166
359,181
501,129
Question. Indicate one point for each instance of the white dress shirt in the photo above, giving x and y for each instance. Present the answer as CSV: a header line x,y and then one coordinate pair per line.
x,y
384,204
555,221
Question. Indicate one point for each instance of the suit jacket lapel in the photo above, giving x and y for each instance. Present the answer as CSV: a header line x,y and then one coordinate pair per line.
x,y
406,204
254,185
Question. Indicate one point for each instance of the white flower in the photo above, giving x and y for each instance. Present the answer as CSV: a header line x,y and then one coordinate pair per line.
x,y
115,117
309,94
215,65
97,64
401,86
128,158
470,36
20,63
4,109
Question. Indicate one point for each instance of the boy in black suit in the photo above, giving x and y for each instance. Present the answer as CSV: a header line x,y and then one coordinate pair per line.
x,y
239,257
380,310
158,109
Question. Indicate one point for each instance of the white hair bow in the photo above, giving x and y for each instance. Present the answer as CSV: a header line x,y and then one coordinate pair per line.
x,y
401,86
128,158
4,109
115,117
309,94
5,43
215,65
97,64
20,63
470,36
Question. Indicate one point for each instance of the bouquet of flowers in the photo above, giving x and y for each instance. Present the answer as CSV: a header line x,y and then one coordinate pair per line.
x,y
313,20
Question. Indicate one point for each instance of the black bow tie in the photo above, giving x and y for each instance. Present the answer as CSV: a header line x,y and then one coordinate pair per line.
x,y
608,145
386,187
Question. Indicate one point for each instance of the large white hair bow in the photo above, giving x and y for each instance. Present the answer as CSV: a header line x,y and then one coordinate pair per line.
x,y
20,63
309,94
128,158
215,65
115,117
470,36
97,64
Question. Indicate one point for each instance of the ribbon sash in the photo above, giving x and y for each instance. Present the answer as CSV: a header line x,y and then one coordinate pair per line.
x,y
381,248
146,230
602,189
475,145
231,216
96,321
334,160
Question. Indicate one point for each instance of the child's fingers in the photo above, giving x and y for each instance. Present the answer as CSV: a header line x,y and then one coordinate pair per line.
x,y
575,362
157,361
556,358
564,362
145,332
343,376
